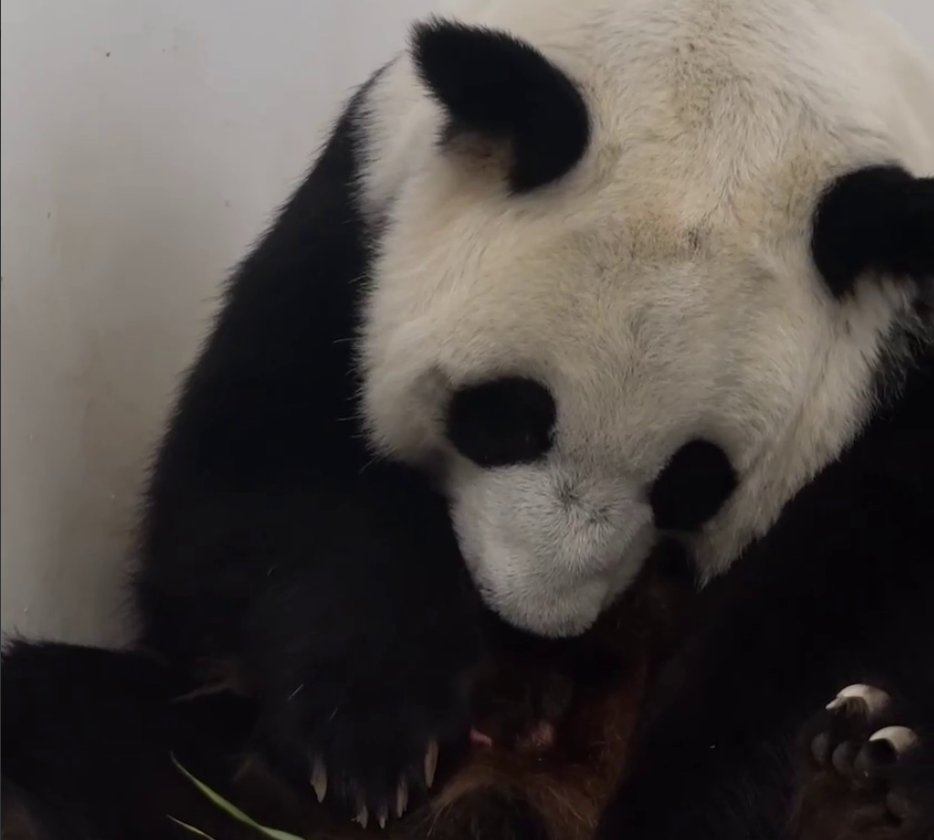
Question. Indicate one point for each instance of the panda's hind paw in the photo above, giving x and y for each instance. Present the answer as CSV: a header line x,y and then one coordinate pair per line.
x,y
866,770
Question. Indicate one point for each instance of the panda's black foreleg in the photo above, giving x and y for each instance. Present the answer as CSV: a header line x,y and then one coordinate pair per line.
x,y
738,752
363,662
354,625
868,768
280,555
704,783
865,771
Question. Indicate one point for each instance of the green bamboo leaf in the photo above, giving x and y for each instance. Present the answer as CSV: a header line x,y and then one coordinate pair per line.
x,y
233,810
190,828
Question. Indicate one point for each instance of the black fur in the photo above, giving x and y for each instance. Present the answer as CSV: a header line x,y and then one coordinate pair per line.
x,y
504,421
879,218
692,487
838,592
272,530
90,735
500,87
87,739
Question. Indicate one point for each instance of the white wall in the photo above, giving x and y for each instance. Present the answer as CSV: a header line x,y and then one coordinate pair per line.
x,y
145,144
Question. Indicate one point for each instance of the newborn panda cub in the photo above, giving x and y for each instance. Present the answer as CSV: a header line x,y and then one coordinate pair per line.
x,y
553,722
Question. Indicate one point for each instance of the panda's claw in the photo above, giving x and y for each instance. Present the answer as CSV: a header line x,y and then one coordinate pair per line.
x,y
319,779
880,753
367,767
382,816
363,816
868,699
402,797
853,739
901,738
431,763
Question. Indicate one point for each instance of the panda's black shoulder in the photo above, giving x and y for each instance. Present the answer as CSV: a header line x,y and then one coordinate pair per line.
x,y
277,364
882,483
851,548
845,571
897,444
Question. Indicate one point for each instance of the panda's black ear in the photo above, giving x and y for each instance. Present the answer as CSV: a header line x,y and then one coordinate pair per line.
x,y
498,88
881,219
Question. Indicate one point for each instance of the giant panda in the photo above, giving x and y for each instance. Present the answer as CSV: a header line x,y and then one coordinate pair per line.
x,y
569,285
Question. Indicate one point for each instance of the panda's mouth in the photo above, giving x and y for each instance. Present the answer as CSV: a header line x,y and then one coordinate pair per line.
x,y
538,738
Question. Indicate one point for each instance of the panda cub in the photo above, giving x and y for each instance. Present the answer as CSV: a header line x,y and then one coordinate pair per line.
x,y
567,282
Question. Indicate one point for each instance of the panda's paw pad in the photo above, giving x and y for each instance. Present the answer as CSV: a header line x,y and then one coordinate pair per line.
x,y
862,760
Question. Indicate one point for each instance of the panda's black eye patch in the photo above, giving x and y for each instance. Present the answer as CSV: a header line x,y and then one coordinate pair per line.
x,y
502,421
692,487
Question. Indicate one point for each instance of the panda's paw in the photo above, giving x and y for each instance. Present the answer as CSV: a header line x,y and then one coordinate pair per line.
x,y
369,757
368,746
867,769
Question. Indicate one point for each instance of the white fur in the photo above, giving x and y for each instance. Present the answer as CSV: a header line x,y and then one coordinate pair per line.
x,y
663,290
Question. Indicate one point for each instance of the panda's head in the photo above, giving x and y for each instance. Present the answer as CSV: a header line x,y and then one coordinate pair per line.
x,y
643,265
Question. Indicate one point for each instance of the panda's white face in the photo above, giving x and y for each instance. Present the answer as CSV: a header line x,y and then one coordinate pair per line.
x,y
662,291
